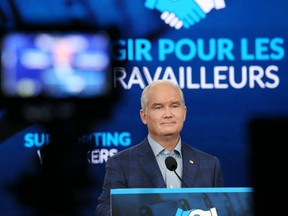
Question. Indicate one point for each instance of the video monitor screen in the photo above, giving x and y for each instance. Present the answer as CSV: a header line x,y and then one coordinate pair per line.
x,y
55,65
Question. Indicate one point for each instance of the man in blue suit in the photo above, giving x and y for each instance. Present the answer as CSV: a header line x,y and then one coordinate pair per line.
x,y
163,111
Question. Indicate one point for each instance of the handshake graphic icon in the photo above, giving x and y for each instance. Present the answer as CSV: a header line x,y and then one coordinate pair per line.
x,y
178,13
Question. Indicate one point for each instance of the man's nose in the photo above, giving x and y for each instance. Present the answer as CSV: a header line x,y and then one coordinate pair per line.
x,y
167,111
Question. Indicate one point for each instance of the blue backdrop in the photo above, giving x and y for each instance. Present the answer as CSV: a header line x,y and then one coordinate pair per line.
x,y
232,67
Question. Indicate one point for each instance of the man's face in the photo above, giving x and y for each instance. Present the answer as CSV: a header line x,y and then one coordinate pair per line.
x,y
165,114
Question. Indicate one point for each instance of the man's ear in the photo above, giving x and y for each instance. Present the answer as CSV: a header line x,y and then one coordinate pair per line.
x,y
185,113
143,116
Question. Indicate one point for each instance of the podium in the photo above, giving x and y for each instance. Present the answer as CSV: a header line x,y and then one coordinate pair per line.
x,y
225,201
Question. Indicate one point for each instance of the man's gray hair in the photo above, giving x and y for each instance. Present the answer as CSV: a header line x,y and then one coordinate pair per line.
x,y
145,92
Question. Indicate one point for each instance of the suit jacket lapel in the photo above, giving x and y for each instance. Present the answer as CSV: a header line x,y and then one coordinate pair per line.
x,y
148,163
189,167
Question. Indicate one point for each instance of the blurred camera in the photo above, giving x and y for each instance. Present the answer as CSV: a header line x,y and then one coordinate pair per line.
x,y
54,68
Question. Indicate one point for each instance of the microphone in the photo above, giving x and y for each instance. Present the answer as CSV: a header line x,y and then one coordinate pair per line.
x,y
171,165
